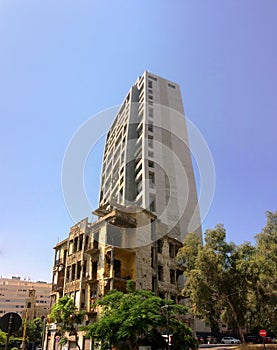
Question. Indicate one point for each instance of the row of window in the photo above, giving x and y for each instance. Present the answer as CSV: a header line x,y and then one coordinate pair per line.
x,y
76,244
172,274
173,249
111,174
14,306
74,271
150,82
120,119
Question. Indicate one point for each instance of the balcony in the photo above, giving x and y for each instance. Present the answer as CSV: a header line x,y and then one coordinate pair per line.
x,y
57,287
91,278
138,175
93,249
138,152
59,265
120,218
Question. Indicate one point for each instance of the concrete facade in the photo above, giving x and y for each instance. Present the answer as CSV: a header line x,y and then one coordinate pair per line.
x,y
147,160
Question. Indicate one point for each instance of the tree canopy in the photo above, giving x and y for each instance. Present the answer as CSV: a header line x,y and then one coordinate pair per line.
x,y
136,317
233,284
66,315
35,330
265,292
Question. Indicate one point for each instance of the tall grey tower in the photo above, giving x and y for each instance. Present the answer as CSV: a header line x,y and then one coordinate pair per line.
x,y
147,160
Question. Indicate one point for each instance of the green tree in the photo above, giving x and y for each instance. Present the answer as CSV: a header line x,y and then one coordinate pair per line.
x,y
265,296
35,330
218,276
67,317
135,317
232,283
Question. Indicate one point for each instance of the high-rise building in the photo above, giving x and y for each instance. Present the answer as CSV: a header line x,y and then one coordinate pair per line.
x,y
147,160
147,205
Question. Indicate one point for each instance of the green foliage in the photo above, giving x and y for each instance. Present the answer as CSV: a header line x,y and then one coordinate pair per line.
x,y
232,283
135,317
2,337
264,294
66,314
35,330
67,317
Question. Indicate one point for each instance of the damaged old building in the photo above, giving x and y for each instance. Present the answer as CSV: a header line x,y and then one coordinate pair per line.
x,y
103,255
119,246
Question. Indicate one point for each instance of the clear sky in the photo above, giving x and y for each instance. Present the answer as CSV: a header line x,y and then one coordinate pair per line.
x,y
62,62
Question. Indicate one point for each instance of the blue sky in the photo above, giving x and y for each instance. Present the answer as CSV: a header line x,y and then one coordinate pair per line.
x,y
63,61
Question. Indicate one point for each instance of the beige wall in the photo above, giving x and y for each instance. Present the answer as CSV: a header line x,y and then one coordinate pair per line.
x,y
14,292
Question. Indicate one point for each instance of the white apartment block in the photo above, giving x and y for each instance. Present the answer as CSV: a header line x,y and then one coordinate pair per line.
x,y
147,160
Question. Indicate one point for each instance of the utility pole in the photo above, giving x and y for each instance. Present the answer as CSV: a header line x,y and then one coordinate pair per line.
x,y
24,330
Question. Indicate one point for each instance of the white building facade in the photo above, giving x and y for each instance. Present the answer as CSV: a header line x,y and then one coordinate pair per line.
x,y
147,160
